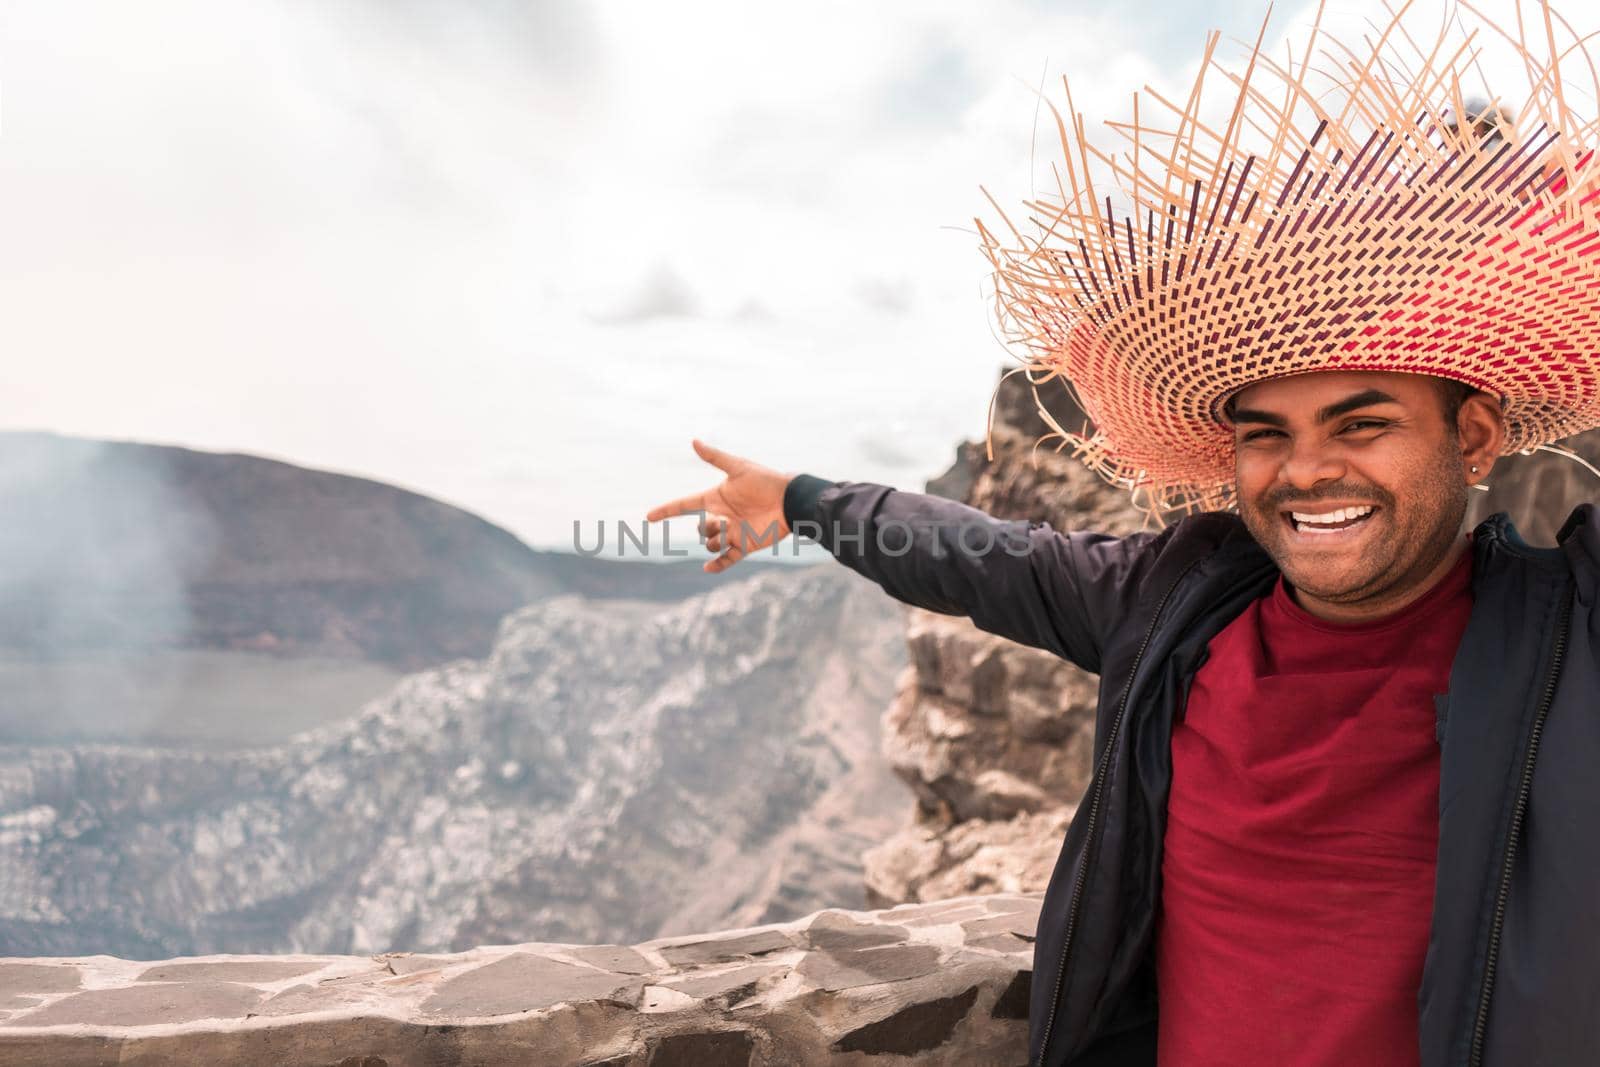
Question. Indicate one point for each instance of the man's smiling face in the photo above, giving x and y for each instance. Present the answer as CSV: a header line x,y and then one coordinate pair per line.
x,y
1354,481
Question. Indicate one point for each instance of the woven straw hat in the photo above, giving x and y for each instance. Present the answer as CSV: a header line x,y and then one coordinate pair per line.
x,y
1337,215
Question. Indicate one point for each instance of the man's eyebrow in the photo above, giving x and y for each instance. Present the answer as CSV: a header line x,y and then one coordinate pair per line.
x,y
1252,415
1365,398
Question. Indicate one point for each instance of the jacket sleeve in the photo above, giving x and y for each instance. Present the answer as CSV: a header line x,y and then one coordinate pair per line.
x,y
1023,580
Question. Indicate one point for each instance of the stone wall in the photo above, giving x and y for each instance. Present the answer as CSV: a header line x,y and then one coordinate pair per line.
x,y
931,984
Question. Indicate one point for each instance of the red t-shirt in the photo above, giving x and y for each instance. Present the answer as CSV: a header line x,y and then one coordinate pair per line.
x,y
1302,832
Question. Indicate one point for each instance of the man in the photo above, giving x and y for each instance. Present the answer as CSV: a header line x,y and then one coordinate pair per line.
x,y
1346,749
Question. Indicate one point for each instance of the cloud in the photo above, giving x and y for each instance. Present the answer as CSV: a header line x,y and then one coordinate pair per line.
x,y
559,42
889,296
404,238
937,89
774,153
882,451
753,312
662,294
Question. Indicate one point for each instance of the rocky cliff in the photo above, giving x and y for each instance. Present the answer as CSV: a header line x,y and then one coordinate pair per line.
x,y
610,771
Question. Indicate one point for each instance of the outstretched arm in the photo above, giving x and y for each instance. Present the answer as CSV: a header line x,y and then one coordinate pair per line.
x,y
1023,580
1019,579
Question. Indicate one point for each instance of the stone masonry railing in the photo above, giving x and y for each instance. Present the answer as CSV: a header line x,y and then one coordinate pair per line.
x,y
931,984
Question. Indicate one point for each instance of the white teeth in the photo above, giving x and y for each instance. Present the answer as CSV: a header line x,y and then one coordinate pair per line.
x,y
1330,517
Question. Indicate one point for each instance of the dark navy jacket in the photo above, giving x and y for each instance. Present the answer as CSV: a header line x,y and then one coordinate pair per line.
x,y
1512,972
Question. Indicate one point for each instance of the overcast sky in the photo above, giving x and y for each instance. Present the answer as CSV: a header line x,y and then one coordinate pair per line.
x,y
515,255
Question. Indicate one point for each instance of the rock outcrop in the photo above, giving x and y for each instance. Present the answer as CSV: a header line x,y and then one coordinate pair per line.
x,y
943,985
1539,491
994,739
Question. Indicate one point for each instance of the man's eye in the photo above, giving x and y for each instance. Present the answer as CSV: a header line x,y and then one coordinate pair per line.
x,y
1254,434
1357,424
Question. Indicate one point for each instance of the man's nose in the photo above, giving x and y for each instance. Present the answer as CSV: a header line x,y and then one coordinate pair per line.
x,y
1308,463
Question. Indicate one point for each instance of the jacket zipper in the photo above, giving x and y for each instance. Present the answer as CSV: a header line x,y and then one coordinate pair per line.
x,y
1094,813
1481,1023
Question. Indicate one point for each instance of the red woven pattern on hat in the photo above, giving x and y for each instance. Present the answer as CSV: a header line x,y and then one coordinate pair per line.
x,y
1370,230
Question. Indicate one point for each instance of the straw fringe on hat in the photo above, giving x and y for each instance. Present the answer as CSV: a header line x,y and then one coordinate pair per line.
x,y
1372,230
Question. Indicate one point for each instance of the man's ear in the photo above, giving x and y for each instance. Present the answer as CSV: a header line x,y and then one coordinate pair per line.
x,y
1481,428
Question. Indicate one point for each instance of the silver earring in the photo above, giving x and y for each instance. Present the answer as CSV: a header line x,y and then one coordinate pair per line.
x,y
1474,470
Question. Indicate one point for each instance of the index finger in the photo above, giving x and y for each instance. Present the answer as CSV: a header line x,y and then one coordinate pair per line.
x,y
681,506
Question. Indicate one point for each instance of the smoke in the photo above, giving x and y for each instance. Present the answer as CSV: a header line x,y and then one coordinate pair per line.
x,y
97,550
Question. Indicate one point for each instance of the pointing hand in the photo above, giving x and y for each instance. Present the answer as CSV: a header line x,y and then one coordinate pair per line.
x,y
742,514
